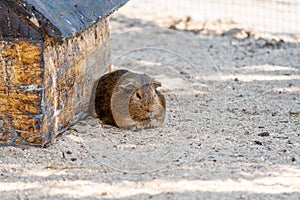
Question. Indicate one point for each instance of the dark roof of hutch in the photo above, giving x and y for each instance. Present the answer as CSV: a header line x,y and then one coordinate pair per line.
x,y
64,18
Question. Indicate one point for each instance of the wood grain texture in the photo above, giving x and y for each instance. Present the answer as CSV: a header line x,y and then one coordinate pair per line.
x,y
45,86
77,65
21,91
15,22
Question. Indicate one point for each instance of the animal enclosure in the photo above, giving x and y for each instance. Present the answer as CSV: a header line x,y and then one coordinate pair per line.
x,y
51,55
277,16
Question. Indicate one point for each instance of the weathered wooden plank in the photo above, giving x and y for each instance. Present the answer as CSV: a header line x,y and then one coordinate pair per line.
x,y
21,92
6,131
21,129
15,22
20,77
72,16
17,101
22,63
4,28
77,64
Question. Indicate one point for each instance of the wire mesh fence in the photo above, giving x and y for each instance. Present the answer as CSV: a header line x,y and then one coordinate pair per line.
x,y
276,16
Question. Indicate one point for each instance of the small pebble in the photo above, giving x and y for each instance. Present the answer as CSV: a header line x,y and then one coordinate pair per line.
x,y
271,174
258,142
284,121
264,134
293,159
104,193
289,142
261,42
294,111
69,152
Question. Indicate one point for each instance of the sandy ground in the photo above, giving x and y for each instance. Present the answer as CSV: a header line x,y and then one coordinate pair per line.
x,y
233,125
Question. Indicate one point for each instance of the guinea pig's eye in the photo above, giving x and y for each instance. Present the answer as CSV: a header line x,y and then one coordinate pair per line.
x,y
138,96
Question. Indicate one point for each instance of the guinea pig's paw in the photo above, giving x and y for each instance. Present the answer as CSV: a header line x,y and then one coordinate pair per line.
x,y
149,127
134,128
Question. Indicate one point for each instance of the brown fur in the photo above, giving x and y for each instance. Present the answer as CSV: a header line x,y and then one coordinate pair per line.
x,y
103,95
127,100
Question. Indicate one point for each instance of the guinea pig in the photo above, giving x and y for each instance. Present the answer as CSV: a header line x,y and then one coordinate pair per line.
x,y
129,100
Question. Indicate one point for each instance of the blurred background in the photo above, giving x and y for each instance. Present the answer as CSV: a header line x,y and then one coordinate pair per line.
x,y
275,16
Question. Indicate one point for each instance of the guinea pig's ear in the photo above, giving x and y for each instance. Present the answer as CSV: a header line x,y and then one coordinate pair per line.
x,y
156,84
